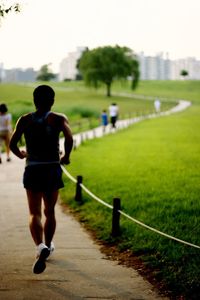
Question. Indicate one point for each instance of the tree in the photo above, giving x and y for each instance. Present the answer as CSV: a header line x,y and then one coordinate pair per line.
x,y
45,74
4,9
184,73
105,64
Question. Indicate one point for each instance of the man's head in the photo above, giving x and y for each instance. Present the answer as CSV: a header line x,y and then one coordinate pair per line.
x,y
43,97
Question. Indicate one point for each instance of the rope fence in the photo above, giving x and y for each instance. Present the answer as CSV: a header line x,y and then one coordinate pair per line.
x,y
117,211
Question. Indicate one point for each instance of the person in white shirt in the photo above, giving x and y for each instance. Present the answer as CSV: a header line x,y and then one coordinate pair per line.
x,y
113,112
157,105
5,130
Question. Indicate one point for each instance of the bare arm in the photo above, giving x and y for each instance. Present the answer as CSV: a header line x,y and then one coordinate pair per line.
x,y
68,143
16,136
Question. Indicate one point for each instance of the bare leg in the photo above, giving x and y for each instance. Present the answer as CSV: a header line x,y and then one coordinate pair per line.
x,y
50,200
34,201
0,148
7,142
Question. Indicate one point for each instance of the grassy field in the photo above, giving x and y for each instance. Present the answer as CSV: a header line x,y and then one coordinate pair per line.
x,y
75,100
152,166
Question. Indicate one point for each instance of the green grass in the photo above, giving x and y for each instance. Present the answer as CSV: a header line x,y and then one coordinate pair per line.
x,y
187,89
75,100
153,167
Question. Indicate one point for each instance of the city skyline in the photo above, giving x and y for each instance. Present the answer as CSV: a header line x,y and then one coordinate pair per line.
x,y
46,31
158,67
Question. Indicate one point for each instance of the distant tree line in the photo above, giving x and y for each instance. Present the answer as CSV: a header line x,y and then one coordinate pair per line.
x,y
45,74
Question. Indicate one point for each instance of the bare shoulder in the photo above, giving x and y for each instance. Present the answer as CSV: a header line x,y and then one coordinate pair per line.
x,y
23,120
59,117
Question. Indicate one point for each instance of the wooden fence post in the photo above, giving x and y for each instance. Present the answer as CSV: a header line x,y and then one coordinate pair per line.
x,y
74,145
78,196
116,217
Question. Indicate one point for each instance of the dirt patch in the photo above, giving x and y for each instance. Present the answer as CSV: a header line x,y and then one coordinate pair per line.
x,y
128,259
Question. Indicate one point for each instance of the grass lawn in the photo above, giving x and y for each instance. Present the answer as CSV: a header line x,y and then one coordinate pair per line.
x,y
75,100
153,167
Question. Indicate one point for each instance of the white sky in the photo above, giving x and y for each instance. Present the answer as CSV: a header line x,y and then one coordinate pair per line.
x,y
46,30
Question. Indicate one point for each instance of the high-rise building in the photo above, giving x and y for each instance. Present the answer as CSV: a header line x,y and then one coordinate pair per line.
x,y
160,67
190,64
154,67
19,75
1,72
68,69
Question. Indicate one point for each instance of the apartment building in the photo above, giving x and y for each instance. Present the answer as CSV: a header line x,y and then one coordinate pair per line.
x,y
19,75
1,71
154,67
160,67
190,64
68,70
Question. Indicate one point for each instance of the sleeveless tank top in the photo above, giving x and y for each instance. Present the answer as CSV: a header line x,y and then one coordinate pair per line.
x,y
42,141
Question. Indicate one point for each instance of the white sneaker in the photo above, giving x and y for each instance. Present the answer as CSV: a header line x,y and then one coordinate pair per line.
x,y
39,249
51,249
41,255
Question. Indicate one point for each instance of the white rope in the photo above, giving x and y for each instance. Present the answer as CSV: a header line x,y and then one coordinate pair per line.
x,y
68,174
158,231
95,197
127,216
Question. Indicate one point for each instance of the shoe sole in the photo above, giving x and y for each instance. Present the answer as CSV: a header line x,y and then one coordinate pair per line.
x,y
40,265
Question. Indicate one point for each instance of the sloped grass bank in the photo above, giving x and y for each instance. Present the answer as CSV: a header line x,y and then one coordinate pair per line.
x,y
75,100
153,167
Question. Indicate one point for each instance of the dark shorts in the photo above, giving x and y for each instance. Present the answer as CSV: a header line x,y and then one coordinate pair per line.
x,y
43,178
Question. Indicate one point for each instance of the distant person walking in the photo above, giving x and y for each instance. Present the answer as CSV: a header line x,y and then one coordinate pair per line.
x,y
5,130
113,112
104,119
157,105
43,174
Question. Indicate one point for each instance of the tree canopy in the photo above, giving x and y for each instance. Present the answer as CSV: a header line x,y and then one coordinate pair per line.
x,y
105,64
45,74
5,9
184,73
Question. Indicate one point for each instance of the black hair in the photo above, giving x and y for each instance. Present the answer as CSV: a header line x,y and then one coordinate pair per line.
x,y
43,97
3,108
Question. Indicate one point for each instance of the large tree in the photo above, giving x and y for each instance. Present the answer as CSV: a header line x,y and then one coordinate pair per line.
x,y
105,64
45,74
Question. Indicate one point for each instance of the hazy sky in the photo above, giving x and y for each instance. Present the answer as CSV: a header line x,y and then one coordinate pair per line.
x,y
46,30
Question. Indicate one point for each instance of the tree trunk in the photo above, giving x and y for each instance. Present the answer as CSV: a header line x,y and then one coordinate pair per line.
x,y
108,86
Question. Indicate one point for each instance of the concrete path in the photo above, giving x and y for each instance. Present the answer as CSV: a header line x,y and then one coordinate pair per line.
x,y
78,270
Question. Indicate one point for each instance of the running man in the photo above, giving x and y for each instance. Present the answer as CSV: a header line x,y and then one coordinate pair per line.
x,y
43,174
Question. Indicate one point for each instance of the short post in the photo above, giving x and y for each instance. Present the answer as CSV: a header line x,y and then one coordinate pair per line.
x,y
81,138
90,123
74,145
116,217
78,196
79,126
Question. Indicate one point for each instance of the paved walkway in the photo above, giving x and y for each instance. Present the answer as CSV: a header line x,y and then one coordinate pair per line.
x,y
78,270
121,124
